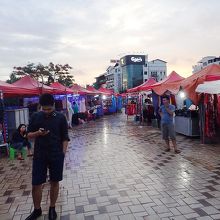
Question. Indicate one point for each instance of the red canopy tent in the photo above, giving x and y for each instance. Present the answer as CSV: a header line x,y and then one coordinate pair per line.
x,y
106,91
93,90
210,73
170,83
77,89
143,87
10,90
34,86
59,86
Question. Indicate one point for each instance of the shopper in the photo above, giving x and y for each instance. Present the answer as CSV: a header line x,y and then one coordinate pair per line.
x,y
19,141
50,131
167,123
75,118
148,111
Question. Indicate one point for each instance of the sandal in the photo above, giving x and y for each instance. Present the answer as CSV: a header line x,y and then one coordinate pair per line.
x,y
177,151
20,158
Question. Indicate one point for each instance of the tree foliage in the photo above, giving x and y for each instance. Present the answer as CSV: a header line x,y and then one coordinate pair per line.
x,y
13,78
46,74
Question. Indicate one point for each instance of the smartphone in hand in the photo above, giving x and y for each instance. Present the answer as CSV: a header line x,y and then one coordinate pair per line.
x,y
43,131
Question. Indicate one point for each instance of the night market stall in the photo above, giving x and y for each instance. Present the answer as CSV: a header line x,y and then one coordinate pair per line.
x,y
209,109
80,103
142,93
188,118
94,103
36,88
10,119
109,101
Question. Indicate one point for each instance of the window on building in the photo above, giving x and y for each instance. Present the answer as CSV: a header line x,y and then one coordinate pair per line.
x,y
145,72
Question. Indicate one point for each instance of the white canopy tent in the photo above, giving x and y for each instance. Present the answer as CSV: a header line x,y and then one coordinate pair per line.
x,y
210,87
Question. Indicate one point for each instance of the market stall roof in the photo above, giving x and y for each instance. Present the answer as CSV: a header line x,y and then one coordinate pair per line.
x,y
92,89
190,84
59,86
171,83
143,87
106,91
77,89
211,87
10,90
33,85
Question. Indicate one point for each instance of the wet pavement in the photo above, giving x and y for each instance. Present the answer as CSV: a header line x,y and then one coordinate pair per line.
x,y
117,170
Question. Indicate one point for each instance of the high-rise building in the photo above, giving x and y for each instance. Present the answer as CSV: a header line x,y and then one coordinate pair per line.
x,y
136,69
132,70
204,62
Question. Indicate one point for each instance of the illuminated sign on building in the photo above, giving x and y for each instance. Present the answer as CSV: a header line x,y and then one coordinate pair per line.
x,y
132,59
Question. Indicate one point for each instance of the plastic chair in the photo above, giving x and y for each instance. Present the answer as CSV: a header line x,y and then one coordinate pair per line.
x,y
13,151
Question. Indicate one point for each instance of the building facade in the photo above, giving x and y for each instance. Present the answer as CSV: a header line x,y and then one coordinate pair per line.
x,y
100,81
156,69
132,70
114,78
204,62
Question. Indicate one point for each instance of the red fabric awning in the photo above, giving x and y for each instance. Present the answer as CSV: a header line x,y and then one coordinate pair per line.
x,y
77,89
190,84
143,87
106,91
93,90
10,90
34,86
62,88
170,83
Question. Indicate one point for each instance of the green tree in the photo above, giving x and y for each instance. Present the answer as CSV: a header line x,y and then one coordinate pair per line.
x,y
46,74
13,78
60,73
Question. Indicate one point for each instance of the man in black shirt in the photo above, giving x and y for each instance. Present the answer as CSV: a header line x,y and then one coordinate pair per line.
x,y
50,131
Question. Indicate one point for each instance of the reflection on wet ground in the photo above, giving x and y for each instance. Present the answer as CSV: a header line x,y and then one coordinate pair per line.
x,y
117,170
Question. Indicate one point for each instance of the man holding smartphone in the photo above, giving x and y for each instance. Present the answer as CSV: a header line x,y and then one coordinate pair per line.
x,y
50,131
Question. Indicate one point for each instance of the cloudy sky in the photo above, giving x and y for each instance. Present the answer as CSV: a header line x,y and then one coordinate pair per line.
x,y
88,33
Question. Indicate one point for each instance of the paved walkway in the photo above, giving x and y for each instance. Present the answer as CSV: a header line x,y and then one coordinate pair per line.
x,y
118,170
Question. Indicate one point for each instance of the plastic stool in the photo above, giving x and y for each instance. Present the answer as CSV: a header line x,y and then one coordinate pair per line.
x,y
13,151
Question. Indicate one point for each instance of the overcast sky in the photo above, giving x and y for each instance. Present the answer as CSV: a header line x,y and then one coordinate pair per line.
x,y
86,34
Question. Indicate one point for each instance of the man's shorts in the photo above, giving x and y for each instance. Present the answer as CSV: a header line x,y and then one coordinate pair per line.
x,y
168,131
40,165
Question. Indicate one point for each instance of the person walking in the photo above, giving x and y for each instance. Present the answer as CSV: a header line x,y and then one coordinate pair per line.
x,y
167,123
50,131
